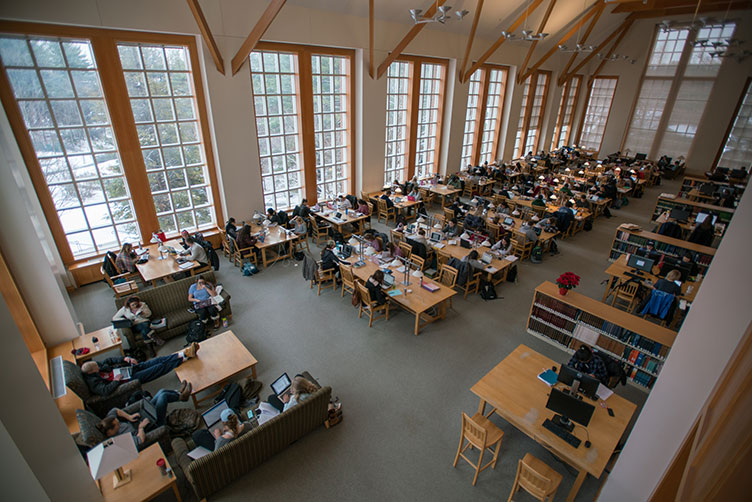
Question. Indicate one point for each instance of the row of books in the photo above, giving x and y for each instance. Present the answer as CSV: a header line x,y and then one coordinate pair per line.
x,y
538,327
646,344
642,378
556,305
627,242
599,324
641,360
610,345
551,318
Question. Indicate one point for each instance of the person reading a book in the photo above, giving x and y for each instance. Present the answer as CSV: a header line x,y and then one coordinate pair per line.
x,y
585,361
200,294
138,313
104,378
232,428
373,285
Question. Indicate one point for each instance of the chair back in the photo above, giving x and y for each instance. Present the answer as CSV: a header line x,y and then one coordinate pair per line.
x,y
473,432
370,206
365,295
233,244
442,257
493,229
74,380
420,262
406,248
114,263
448,276
382,206
439,218
314,225
448,214
346,274
532,481
627,290
397,236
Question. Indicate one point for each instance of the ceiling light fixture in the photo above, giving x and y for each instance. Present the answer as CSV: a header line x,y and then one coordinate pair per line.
x,y
526,36
577,48
442,15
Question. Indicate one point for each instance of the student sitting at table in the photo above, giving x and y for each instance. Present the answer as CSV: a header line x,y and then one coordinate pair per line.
x,y
539,201
363,208
126,259
201,291
458,209
527,230
299,226
585,361
503,246
195,251
565,189
450,229
472,259
420,237
671,284
582,202
370,240
703,233
373,284
386,197
246,238
415,193
564,217
329,258
232,428
391,251
342,203
302,209
138,313
688,260
231,229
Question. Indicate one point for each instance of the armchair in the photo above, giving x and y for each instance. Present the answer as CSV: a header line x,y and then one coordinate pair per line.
x,y
100,405
91,436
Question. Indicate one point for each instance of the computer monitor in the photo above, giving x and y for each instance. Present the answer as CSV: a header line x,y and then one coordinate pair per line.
x,y
587,384
569,409
679,214
640,263
465,244
722,170
701,217
641,156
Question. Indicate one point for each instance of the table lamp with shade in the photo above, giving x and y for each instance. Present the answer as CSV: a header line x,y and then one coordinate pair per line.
x,y
111,455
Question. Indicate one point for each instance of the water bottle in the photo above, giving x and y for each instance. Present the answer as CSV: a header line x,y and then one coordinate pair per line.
x,y
224,322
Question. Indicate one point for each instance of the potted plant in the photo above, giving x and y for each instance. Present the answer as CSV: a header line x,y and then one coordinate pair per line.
x,y
567,281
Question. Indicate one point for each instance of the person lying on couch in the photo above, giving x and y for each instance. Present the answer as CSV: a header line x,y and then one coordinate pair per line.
x,y
102,380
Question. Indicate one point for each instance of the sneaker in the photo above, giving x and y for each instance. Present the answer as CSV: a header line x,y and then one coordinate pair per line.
x,y
185,391
191,351
151,335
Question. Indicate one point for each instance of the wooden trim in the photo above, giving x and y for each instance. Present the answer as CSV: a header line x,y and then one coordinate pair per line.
x,y
625,25
313,49
61,30
530,51
18,309
585,36
371,30
471,37
206,34
668,486
412,122
407,39
577,94
480,116
679,10
544,99
584,111
730,127
440,118
256,33
516,24
588,14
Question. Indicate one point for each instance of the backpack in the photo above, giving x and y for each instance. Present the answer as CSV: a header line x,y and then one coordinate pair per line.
x,y
298,255
536,255
182,422
196,332
487,290
232,394
248,269
512,275
588,226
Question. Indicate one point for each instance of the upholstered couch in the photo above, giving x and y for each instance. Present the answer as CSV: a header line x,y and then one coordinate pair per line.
x,y
91,436
100,405
218,469
171,302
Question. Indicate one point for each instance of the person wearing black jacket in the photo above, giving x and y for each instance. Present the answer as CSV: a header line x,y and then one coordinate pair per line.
x,y
373,284
329,259
389,202
101,381
703,233
231,229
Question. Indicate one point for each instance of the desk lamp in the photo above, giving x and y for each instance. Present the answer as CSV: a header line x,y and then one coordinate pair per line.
x,y
111,455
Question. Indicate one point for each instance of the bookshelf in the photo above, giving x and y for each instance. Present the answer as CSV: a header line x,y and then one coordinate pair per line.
x,y
690,183
575,319
629,241
667,202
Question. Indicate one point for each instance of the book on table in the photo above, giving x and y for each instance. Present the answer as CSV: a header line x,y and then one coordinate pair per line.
x,y
430,286
549,377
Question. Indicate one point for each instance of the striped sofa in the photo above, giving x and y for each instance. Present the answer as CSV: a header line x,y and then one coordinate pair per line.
x,y
211,473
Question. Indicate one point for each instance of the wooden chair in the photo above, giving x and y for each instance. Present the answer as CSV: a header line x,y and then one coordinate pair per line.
x,y
319,231
397,237
536,478
448,214
200,270
472,284
370,306
242,254
348,279
226,247
468,190
426,196
386,212
480,433
493,230
440,219
521,247
626,293
324,278
120,289
420,262
300,242
442,258
130,276
367,221
448,277
406,248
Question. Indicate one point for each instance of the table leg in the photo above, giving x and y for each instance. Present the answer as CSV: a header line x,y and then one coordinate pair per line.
x,y
263,256
175,489
253,371
195,401
576,486
609,285
121,350
417,323
482,407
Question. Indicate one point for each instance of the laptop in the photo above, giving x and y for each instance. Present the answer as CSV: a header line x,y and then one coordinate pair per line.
x,y
465,244
486,258
121,323
203,304
388,281
281,385
508,221
436,236
213,416
148,410
124,373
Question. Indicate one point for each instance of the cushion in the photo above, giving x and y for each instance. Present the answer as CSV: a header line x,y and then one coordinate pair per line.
x,y
87,422
74,379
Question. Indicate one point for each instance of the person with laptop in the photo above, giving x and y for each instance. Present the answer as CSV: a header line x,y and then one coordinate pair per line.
x,y
386,198
374,286
585,361
200,294
195,251
450,229
102,379
703,233
503,246
138,313
299,225
227,430
287,394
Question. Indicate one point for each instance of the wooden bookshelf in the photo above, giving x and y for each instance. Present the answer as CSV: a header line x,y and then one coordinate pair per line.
x,y
667,203
568,321
629,241
691,185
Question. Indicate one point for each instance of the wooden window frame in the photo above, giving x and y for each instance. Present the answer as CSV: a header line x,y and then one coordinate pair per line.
x,y
104,47
480,120
305,101
565,95
589,91
533,82
732,121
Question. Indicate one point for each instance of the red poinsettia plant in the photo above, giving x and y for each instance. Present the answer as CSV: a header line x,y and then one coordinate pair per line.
x,y
568,280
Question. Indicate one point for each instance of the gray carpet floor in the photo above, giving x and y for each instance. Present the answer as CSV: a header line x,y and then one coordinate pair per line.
x,y
402,394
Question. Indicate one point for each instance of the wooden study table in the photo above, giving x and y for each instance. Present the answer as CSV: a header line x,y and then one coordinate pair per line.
x,y
501,265
513,389
418,301
70,402
351,217
274,236
107,339
618,269
146,483
401,204
545,237
445,192
155,269
219,359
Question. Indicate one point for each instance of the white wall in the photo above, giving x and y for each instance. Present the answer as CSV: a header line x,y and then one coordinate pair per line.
x,y
708,337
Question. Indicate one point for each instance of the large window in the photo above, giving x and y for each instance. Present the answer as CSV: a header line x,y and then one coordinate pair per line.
x,y
533,107
567,105
678,79
600,96
736,150
414,108
302,155
111,131
485,104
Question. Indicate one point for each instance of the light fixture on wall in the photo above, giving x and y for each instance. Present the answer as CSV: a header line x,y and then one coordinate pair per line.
x,y
442,15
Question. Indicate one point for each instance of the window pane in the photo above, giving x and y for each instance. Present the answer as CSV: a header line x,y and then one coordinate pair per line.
x,y
685,117
429,110
398,78
596,113
739,142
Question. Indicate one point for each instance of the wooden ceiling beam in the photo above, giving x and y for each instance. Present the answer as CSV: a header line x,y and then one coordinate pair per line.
x,y
384,66
583,40
371,63
206,34
590,13
535,42
625,25
256,33
610,51
478,9
516,24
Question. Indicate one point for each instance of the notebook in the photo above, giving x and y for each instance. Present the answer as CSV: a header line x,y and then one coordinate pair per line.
x,y
549,377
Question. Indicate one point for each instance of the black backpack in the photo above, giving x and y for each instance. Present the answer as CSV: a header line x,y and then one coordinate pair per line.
x,y
196,332
232,394
588,226
487,290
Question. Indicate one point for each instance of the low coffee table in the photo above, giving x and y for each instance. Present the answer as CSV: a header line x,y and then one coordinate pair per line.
x,y
106,340
146,482
219,359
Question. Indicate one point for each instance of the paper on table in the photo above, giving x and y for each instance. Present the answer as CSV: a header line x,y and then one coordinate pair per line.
x,y
198,452
511,258
188,264
603,392
491,270
400,269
